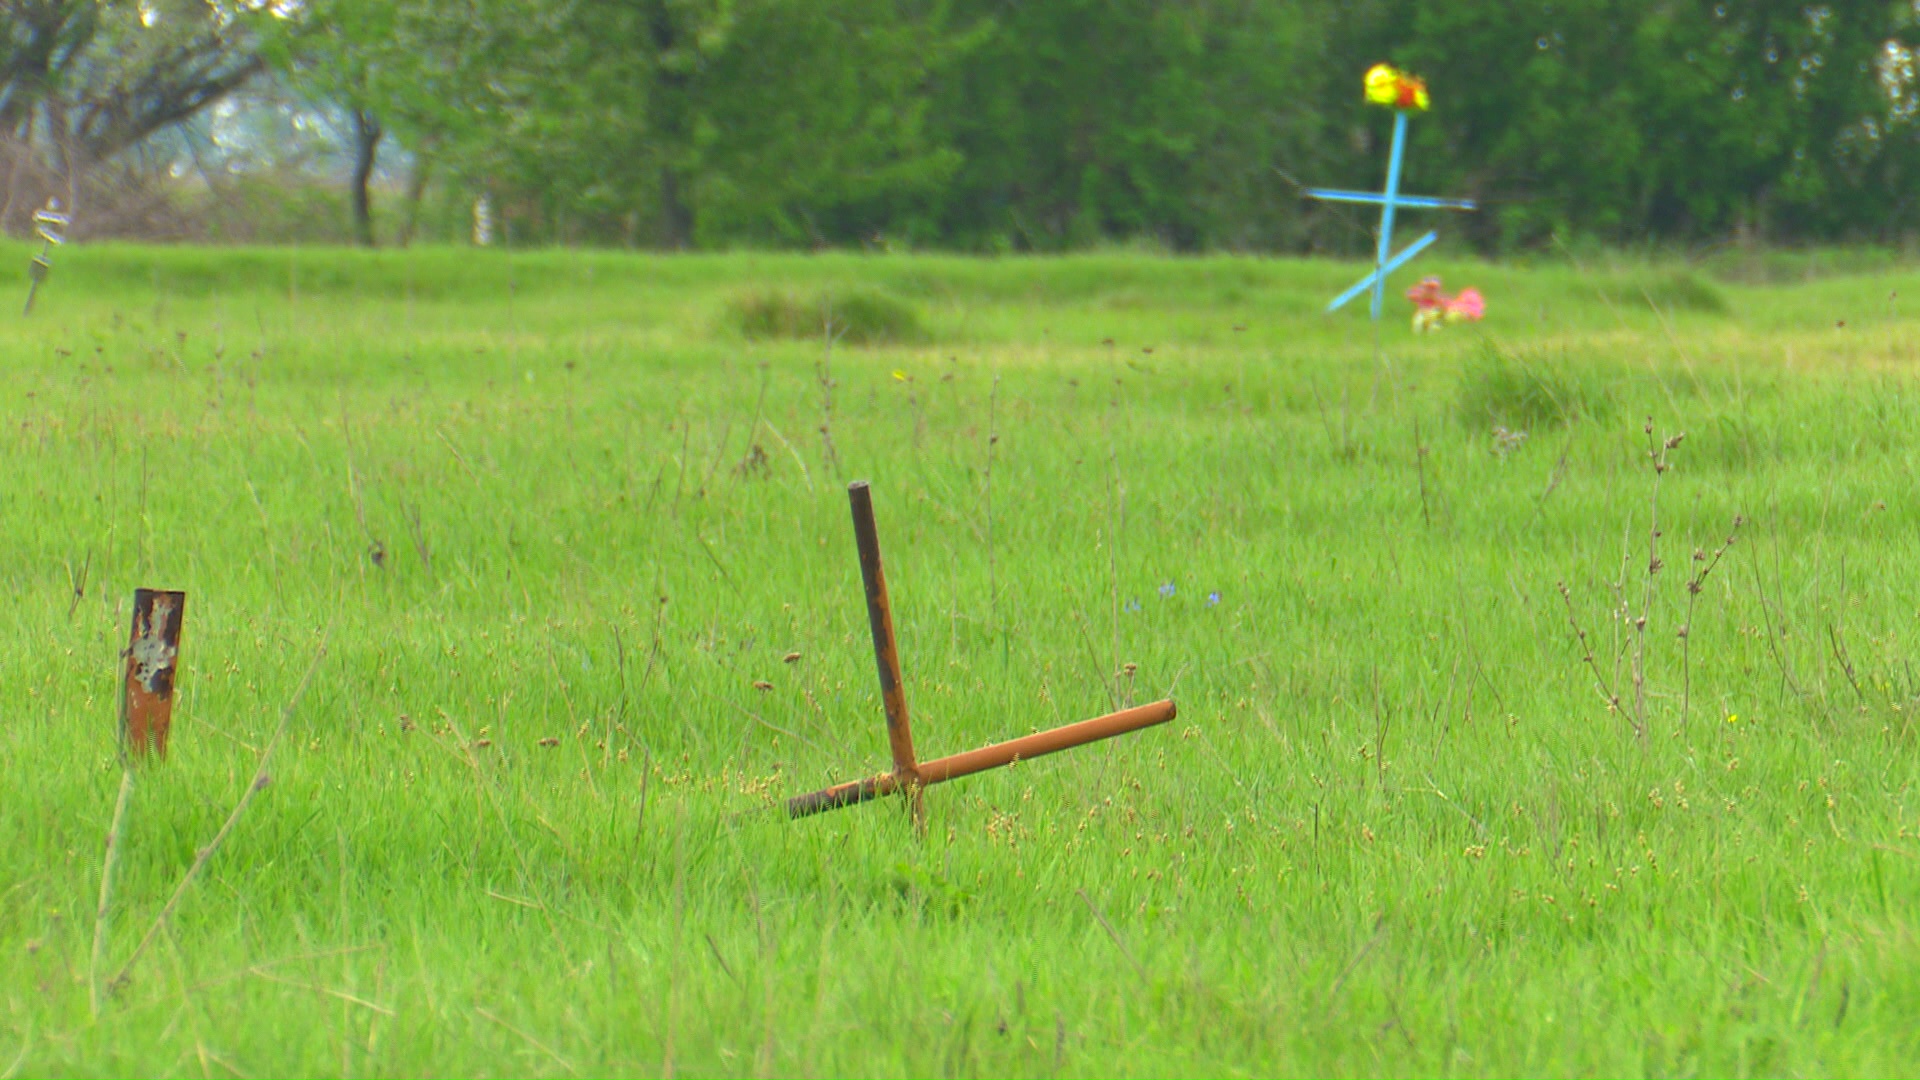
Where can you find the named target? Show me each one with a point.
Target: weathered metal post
(152, 657)
(886, 653)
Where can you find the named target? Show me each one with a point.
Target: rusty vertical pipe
(885, 653)
(153, 653)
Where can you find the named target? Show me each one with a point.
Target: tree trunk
(676, 220)
(367, 133)
(416, 190)
(669, 109)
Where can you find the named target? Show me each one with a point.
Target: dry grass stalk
(260, 780)
(116, 833)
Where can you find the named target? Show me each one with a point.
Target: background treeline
(971, 124)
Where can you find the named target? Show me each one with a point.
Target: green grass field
(578, 549)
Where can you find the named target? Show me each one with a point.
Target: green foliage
(1185, 125)
(1682, 120)
(1780, 266)
(852, 316)
(1080, 120)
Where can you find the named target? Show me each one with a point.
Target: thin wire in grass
(680, 480)
(26, 1046)
(1769, 608)
(260, 780)
(993, 586)
(805, 473)
(1112, 934)
(486, 796)
(1113, 571)
(528, 1039)
(116, 835)
(719, 454)
(1420, 467)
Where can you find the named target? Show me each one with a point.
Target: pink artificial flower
(1433, 308)
(1467, 307)
(1427, 294)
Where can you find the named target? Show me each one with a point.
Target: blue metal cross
(1385, 262)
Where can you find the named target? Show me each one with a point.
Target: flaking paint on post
(152, 658)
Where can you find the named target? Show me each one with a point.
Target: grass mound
(1685, 291)
(850, 316)
(1529, 390)
(1673, 291)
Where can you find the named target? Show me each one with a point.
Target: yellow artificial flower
(1392, 88)
(1383, 84)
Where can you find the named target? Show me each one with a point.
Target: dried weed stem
(260, 780)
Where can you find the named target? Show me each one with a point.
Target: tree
(1629, 120)
(415, 70)
(719, 120)
(83, 80)
(1081, 119)
(812, 126)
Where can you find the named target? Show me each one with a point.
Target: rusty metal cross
(910, 777)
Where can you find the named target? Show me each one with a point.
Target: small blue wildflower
(1213, 598)
(1167, 589)
(1133, 605)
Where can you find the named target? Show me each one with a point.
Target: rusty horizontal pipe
(1045, 742)
(956, 766)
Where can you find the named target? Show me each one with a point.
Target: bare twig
(1707, 563)
(1837, 637)
(419, 538)
(1553, 480)
(1767, 612)
(1657, 451)
(1837, 640)
(829, 333)
(1586, 651)
(78, 583)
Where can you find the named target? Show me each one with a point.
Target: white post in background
(482, 221)
(51, 224)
